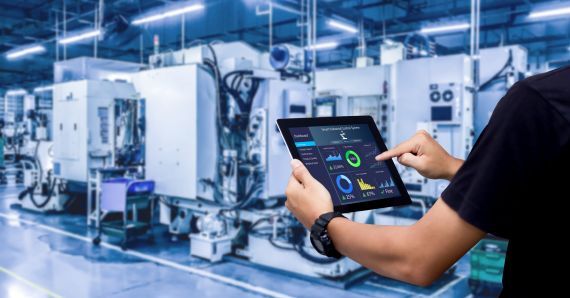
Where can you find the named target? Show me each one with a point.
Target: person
(510, 185)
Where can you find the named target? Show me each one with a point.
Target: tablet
(340, 153)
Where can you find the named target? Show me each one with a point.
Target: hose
(298, 246)
(314, 259)
(30, 191)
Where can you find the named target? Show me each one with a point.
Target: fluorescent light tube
(324, 46)
(342, 26)
(549, 13)
(26, 51)
(16, 92)
(43, 89)
(168, 14)
(438, 29)
(79, 37)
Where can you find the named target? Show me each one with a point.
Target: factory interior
(140, 156)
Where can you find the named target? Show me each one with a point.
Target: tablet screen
(341, 157)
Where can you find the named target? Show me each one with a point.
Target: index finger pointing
(405, 147)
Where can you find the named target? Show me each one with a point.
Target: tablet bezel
(404, 199)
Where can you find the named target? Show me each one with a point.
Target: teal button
(306, 144)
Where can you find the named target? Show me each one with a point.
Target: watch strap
(319, 229)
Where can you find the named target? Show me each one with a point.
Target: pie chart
(352, 158)
(344, 184)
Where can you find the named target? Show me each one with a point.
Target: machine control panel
(445, 102)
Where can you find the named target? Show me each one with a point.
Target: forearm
(416, 254)
(454, 166)
(386, 250)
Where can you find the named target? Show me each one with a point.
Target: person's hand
(424, 154)
(307, 198)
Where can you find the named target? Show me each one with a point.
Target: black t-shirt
(515, 183)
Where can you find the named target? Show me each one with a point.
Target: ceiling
(503, 22)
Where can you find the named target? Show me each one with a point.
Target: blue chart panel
(344, 184)
(387, 183)
(337, 157)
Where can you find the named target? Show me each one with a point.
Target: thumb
(300, 172)
(410, 160)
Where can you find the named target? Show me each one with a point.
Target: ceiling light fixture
(549, 13)
(25, 51)
(324, 46)
(168, 14)
(43, 89)
(447, 28)
(342, 26)
(79, 37)
(16, 92)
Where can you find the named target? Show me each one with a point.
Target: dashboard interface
(341, 157)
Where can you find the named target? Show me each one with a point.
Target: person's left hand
(307, 198)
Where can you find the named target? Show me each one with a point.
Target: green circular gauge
(356, 162)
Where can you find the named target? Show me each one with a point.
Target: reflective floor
(51, 255)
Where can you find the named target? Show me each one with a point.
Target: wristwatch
(320, 236)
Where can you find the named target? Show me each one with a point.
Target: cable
(30, 191)
(314, 259)
(498, 74)
(211, 48)
(298, 240)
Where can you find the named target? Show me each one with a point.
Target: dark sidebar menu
(310, 156)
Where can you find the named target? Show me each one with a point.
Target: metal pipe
(99, 16)
(362, 39)
(64, 29)
(270, 24)
(96, 26)
(474, 44)
(56, 36)
(182, 31)
(314, 51)
(141, 48)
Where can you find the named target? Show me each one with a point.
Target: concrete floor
(51, 255)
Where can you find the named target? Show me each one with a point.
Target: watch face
(317, 244)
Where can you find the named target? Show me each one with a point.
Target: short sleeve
(523, 134)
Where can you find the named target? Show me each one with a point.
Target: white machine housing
(181, 148)
(493, 60)
(275, 99)
(357, 92)
(83, 126)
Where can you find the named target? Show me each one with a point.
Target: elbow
(421, 280)
(418, 274)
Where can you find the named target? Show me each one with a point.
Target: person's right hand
(424, 154)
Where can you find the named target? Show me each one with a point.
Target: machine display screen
(441, 113)
(341, 157)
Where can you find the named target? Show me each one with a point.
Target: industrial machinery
(440, 103)
(98, 123)
(37, 153)
(12, 133)
(25, 135)
(434, 94)
(12, 122)
(218, 160)
(365, 91)
(447, 108)
(500, 69)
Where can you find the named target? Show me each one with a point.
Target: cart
(127, 197)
